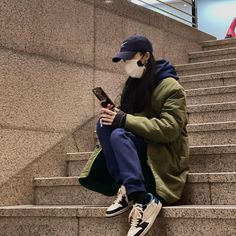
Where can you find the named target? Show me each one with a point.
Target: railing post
(194, 14)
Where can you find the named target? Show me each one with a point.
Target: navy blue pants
(123, 150)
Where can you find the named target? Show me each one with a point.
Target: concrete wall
(52, 53)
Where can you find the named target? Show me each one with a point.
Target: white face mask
(133, 70)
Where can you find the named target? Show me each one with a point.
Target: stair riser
(74, 168)
(117, 226)
(198, 164)
(70, 195)
(195, 71)
(195, 193)
(212, 58)
(212, 116)
(214, 137)
(43, 226)
(210, 137)
(212, 163)
(212, 98)
(209, 81)
(204, 84)
(162, 226)
(213, 47)
(196, 227)
(209, 194)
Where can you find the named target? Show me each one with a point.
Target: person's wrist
(119, 120)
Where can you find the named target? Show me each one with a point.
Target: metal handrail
(187, 2)
(164, 3)
(193, 16)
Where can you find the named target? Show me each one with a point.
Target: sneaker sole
(119, 212)
(159, 206)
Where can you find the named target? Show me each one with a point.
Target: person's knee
(117, 135)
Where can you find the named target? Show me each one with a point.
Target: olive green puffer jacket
(168, 147)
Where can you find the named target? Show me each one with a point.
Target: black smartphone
(102, 96)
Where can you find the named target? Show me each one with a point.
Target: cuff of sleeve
(119, 121)
(122, 119)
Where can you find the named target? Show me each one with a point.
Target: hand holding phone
(103, 98)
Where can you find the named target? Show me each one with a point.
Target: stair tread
(205, 64)
(212, 52)
(212, 107)
(181, 211)
(207, 76)
(206, 127)
(220, 177)
(212, 90)
(194, 150)
(213, 149)
(218, 42)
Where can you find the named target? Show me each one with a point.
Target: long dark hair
(137, 93)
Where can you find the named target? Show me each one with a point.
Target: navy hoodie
(165, 70)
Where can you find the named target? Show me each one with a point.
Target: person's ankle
(141, 197)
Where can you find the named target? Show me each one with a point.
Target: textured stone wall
(52, 53)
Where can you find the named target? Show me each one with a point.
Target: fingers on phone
(110, 106)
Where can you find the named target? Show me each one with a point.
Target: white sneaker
(142, 217)
(120, 205)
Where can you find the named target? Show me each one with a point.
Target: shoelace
(118, 196)
(135, 215)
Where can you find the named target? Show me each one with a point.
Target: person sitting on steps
(143, 153)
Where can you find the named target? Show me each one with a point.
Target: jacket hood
(165, 70)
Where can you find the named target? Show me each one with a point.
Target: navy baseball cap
(130, 46)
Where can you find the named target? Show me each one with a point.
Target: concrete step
(216, 112)
(215, 158)
(218, 44)
(216, 79)
(75, 162)
(90, 220)
(201, 188)
(210, 189)
(212, 55)
(206, 67)
(30, 220)
(211, 95)
(218, 133)
(214, 133)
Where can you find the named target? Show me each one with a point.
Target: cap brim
(123, 56)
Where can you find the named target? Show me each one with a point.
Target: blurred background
(210, 16)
